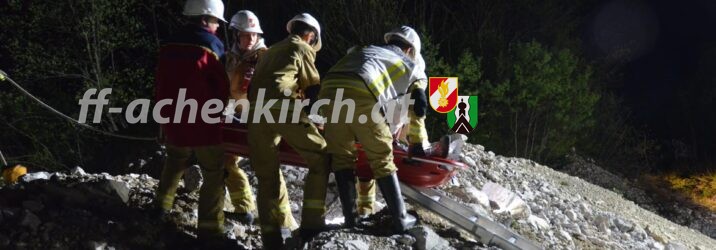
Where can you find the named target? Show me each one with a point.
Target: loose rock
(193, 178)
(427, 239)
(30, 221)
(504, 200)
(675, 246)
(78, 171)
(35, 176)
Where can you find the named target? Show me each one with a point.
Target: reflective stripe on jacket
(385, 72)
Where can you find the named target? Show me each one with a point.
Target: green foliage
(537, 100)
(59, 50)
(542, 105)
(539, 107)
(614, 142)
(699, 188)
(469, 71)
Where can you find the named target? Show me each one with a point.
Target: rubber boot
(390, 188)
(346, 181)
(244, 218)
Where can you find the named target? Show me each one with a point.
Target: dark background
(628, 83)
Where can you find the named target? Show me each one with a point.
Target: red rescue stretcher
(414, 171)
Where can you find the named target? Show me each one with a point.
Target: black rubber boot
(244, 218)
(346, 181)
(390, 188)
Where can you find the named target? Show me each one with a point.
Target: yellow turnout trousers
(366, 196)
(303, 137)
(375, 137)
(211, 194)
(237, 182)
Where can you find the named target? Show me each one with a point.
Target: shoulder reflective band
(382, 81)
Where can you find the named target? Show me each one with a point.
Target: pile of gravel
(566, 212)
(670, 206)
(99, 211)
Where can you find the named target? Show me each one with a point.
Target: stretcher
(417, 176)
(426, 172)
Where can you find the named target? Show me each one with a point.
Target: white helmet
(311, 21)
(213, 8)
(406, 34)
(246, 21)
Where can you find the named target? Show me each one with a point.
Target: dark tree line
(542, 93)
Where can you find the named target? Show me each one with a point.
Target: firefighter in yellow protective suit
(241, 62)
(414, 134)
(372, 77)
(287, 71)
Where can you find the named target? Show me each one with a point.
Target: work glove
(317, 121)
(421, 102)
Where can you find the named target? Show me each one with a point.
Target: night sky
(662, 45)
(684, 30)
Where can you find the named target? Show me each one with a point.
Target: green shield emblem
(463, 119)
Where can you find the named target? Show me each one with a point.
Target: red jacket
(191, 60)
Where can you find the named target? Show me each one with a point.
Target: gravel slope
(603, 218)
(558, 211)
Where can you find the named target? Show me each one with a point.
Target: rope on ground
(4, 76)
(4, 162)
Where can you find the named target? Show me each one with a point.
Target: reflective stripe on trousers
(366, 196)
(211, 194)
(237, 182)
